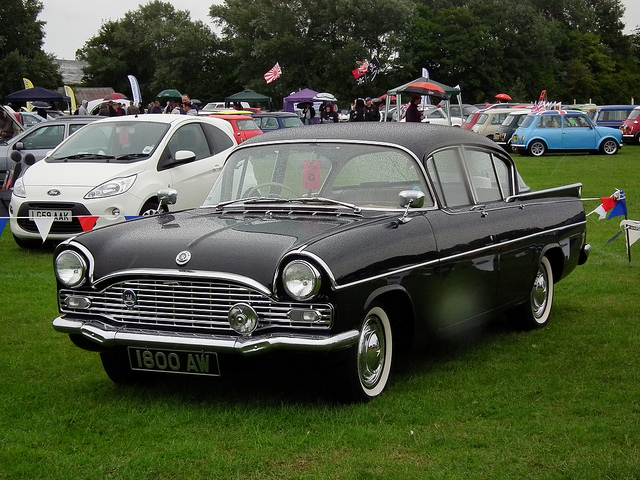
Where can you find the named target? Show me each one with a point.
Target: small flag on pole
(274, 73)
(616, 204)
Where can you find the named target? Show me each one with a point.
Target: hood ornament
(183, 257)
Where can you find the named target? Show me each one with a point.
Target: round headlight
(301, 280)
(71, 268)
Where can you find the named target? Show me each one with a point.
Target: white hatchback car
(114, 169)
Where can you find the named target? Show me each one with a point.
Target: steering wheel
(256, 190)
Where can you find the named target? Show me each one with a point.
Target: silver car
(41, 139)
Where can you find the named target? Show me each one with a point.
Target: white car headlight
(18, 188)
(71, 268)
(113, 187)
(301, 280)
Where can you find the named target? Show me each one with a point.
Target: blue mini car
(564, 130)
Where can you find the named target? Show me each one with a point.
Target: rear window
(613, 115)
(245, 125)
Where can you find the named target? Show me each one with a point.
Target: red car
(631, 127)
(472, 119)
(244, 126)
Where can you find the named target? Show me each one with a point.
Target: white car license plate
(57, 215)
(174, 361)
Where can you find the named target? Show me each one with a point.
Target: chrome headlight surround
(70, 268)
(301, 280)
(115, 186)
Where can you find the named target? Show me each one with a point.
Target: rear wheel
(609, 147)
(536, 312)
(369, 363)
(537, 148)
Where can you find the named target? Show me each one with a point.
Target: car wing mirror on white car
(184, 156)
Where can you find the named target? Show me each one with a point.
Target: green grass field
(559, 403)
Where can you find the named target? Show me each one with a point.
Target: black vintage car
(351, 241)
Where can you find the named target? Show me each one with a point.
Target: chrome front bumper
(107, 336)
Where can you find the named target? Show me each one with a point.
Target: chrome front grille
(187, 304)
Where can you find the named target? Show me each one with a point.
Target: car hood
(77, 174)
(251, 246)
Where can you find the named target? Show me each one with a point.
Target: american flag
(273, 74)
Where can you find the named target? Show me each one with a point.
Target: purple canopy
(305, 95)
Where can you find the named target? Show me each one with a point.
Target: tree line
(576, 50)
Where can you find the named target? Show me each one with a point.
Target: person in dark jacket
(413, 114)
(357, 111)
(371, 112)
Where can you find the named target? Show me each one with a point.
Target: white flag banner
(633, 230)
(135, 90)
(44, 226)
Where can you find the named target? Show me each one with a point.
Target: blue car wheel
(537, 148)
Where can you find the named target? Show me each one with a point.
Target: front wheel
(609, 147)
(536, 312)
(369, 364)
(151, 207)
(537, 148)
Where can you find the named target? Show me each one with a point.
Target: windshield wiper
(130, 156)
(252, 200)
(85, 156)
(330, 201)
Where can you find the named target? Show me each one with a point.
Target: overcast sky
(70, 23)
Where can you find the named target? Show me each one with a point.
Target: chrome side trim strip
(446, 259)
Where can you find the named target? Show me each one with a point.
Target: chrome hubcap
(609, 147)
(540, 293)
(537, 149)
(371, 352)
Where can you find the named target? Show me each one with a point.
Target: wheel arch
(399, 307)
(556, 258)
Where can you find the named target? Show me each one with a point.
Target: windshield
(368, 176)
(124, 141)
(527, 121)
(635, 113)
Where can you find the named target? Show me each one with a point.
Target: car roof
(558, 112)
(233, 117)
(170, 119)
(420, 138)
(275, 114)
(71, 118)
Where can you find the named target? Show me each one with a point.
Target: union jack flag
(274, 73)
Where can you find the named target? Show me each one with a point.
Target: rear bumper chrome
(106, 336)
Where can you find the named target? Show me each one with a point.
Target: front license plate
(174, 361)
(57, 215)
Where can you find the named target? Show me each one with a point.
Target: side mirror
(184, 156)
(167, 196)
(19, 146)
(29, 159)
(411, 198)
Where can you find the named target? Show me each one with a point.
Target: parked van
(613, 115)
